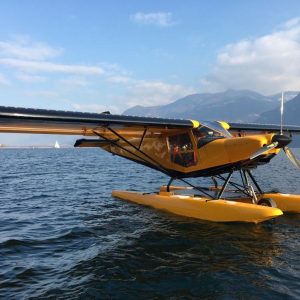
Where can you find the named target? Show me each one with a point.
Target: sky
(111, 55)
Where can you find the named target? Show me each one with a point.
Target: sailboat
(57, 146)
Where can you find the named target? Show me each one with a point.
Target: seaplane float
(225, 153)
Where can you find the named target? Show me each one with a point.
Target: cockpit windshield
(216, 126)
(208, 132)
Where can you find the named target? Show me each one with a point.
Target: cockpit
(182, 147)
(208, 132)
(182, 150)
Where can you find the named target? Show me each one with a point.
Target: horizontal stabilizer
(92, 143)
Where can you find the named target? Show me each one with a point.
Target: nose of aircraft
(282, 140)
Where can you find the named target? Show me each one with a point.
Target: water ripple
(63, 236)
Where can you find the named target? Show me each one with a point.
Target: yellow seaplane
(182, 149)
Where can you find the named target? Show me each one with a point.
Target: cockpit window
(181, 150)
(205, 134)
(216, 126)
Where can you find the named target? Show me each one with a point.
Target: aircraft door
(182, 150)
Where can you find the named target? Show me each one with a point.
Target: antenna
(281, 113)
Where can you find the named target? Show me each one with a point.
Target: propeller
(281, 113)
(291, 156)
(286, 149)
(279, 141)
(264, 149)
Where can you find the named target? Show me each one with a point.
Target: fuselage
(194, 152)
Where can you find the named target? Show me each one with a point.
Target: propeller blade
(264, 149)
(281, 112)
(292, 157)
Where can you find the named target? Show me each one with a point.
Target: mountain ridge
(291, 113)
(230, 105)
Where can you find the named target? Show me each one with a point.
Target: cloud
(75, 81)
(32, 62)
(27, 57)
(23, 48)
(267, 64)
(42, 94)
(95, 108)
(151, 93)
(50, 67)
(3, 80)
(30, 78)
(113, 69)
(291, 23)
(161, 19)
(119, 79)
(148, 92)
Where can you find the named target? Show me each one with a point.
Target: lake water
(62, 235)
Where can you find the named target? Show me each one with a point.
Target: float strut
(254, 181)
(214, 181)
(224, 185)
(169, 183)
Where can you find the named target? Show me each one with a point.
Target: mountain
(231, 105)
(291, 113)
(288, 95)
(291, 116)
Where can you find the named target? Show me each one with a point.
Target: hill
(291, 116)
(231, 105)
(291, 113)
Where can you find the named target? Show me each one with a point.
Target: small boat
(221, 210)
(57, 146)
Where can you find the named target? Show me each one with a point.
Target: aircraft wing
(27, 120)
(253, 127)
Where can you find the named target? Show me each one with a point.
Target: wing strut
(136, 148)
(156, 165)
(142, 138)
